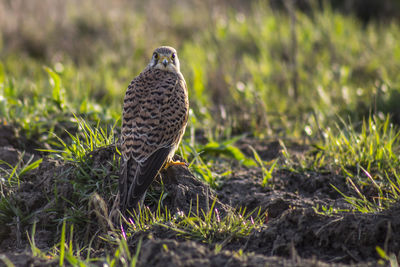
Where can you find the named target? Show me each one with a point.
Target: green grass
(11, 175)
(374, 146)
(366, 154)
(341, 70)
(203, 157)
(66, 253)
(200, 225)
(87, 139)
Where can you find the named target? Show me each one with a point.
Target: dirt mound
(249, 193)
(269, 150)
(294, 225)
(167, 252)
(10, 155)
(30, 203)
(343, 238)
(312, 184)
(294, 234)
(285, 190)
(183, 192)
(15, 146)
(9, 136)
(54, 187)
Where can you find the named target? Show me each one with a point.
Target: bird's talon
(172, 163)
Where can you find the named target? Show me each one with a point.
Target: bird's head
(165, 58)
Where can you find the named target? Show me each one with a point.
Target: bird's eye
(173, 56)
(155, 55)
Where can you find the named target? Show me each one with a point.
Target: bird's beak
(165, 62)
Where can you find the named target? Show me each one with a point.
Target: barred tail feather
(126, 179)
(136, 177)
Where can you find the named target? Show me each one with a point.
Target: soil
(293, 234)
(15, 147)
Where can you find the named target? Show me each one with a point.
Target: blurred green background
(265, 68)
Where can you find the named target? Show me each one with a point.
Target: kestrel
(155, 114)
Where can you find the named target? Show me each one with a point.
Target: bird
(154, 118)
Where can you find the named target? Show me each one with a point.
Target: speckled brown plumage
(155, 115)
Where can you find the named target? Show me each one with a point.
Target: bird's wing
(148, 133)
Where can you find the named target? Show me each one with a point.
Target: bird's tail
(126, 181)
(136, 177)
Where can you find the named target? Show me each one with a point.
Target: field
(292, 148)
